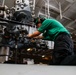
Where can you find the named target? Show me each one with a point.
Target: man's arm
(36, 33)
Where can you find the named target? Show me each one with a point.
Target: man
(54, 31)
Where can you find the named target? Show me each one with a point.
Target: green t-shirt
(51, 28)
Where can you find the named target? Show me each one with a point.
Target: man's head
(38, 21)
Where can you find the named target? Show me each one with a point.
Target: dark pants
(69, 60)
(63, 47)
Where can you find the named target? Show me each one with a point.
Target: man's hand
(39, 37)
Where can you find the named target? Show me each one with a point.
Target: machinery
(13, 36)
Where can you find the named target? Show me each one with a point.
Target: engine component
(2, 15)
(15, 37)
(2, 8)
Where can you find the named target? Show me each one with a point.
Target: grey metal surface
(8, 69)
